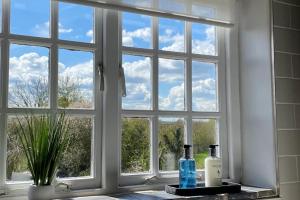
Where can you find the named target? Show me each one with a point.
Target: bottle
(213, 168)
(187, 169)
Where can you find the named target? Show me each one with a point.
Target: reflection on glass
(171, 35)
(75, 79)
(76, 160)
(204, 87)
(30, 17)
(137, 71)
(171, 84)
(28, 76)
(171, 141)
(204, 134)
(135, 145)
(203, 39)
(76, 22)
(136, 31)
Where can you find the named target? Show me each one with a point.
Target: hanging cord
(101, 74)
(122, 80)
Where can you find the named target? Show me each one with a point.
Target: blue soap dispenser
(187, 169)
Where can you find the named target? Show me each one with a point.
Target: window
(52, 59)
(174, 95)
(51, 67)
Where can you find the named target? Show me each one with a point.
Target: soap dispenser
(187, 169)
(213, 168)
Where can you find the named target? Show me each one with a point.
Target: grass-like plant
(43, 139)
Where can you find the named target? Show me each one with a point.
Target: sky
(31, 17)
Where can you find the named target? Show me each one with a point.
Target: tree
(34, 93)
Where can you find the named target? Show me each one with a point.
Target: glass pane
(203, 39)
(171, 141)
(135, 145)
(136, 31)
(76, 22)
(137, 71)
(171, 84)
(16, 162)
(171, 35)
(203, 11)
(204, 87)
(75, 79)
(173, 6)
(28, 76)
(76, 159)
(204, 134)
(30, 17)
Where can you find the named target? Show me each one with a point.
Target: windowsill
(247, 193)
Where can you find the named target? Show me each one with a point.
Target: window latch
(101, 74)
(122, 80)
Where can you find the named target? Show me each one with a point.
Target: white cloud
(27, 67)
(206, 46)
(81, 73)
(32, 66)
(129, 36)
(90, 34)
(138, 69)
(203, 96)
(44, 28)
(175, 42)
(62, 29)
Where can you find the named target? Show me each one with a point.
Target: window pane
(16, 163)
(204, 86)
(171, 35)
(204, 134)
(75, 79)
(171, 141)
(76, 22)
(30, 17)
(76, 159)
(171, 84)
(136, 31)
(137, 71)
(28, 76)
(203, 39)
(135, 145)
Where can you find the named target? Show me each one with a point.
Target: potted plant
(43, 139)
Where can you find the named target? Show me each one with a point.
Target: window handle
(122, 80)
(101, 74)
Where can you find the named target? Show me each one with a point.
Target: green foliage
(43, 140)
(199, 159)
(135, 145)
(171, 141)
(76, 159)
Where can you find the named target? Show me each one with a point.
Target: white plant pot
(41, 192)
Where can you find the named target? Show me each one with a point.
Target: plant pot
(41, 192)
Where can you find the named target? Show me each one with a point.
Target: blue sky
(137, 32)
(32, 18)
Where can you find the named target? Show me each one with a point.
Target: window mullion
(4, 90)
(155, 97)
(98, 123)
(188, 82)
(53, 71)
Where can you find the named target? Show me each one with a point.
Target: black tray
(227, 187)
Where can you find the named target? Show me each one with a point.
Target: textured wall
(286, 15)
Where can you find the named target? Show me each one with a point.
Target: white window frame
(53, 43)
(155, 176)
(108, 141)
